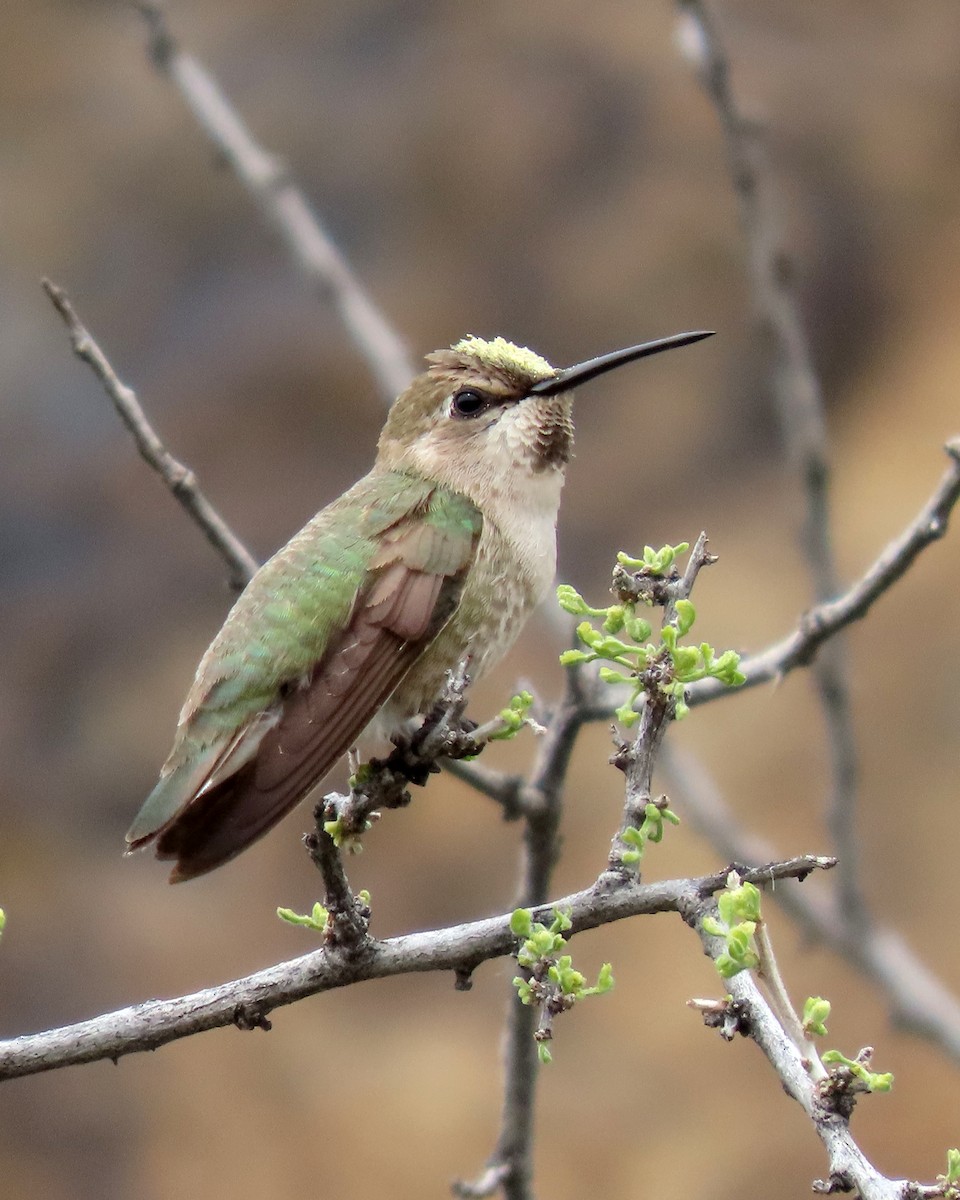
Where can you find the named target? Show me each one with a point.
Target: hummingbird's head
(472, 410)
(485, 411)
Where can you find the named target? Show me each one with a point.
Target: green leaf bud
(569, 657)
(521, 922)
(686, 660)
(609, 675)
(561, 921)
(588, 635)
(638, 629)
(816, 1012)
(626, 714)
(317, 919)
(686, 615)
(570, 600)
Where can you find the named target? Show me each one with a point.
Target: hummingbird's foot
(443, 732)
(416, 753)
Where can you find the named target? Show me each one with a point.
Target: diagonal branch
(178, 478)
(510, 1164)
(824, 620)
(799, 398)
(918, 1000)
(248, 1001)
(284, 207)
(850, 1170)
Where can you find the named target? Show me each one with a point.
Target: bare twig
(178, 478)
(800, 405)
(918, 1000)
(509, 791)
(698, 558)
(848, 1164)
(510, 1165)
(283, 205)
(825, 620)
(347, 918)
(460, 948)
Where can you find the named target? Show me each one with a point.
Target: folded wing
(241, 787)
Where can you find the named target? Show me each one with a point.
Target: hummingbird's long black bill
(569, 377)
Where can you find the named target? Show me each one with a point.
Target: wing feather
(410, 592)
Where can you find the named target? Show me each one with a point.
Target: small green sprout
(513, 717)
(951, 1178)
(3, 921)
(318, 916)
(623, 640)
(552, 983)
(654, 816)
(654, 562)
(342, 838)
(816, 1013)
(315, 919)
(870, 1081)
(739, 912)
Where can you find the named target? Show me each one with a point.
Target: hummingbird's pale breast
(512, 572)
(514, 474)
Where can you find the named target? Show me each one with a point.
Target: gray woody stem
(849, 1168)
(510, 1165)
(799, 398)
(284, 207)
(247, 1002)
(178, 478)
(918, 1000)
(824, 620)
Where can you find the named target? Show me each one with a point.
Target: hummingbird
(442, 551)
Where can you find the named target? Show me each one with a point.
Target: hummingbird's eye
(468, 402)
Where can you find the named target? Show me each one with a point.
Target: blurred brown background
(550, 172)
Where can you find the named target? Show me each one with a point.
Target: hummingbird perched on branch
(441, 552)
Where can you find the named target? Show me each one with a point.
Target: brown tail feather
(314, 731)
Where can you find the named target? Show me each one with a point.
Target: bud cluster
(550, 980)
(624, 639)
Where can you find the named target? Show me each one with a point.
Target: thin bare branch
(284, 207)
(178, 478)
(850, 1170)
(917, 999)
(248, 1001)
(540, 801)
(507, 790)
(799, 398)
(698, 558)
(824, 620)
(347, 917)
